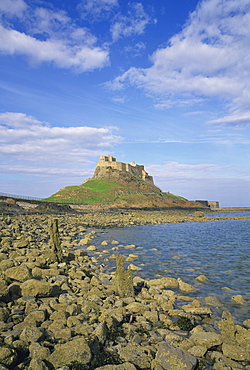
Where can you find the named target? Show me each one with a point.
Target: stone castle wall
(134, 169)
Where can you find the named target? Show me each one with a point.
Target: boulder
(101, 332)
(37, 364)
(246, 323)
(135, 354)
(75, 350)
(198, 311)
(137, 307)
(38, 352)
(238, 299)
(235, 352)
(31, 334)
(185, 287)
(3, 289)
(163, 282)
(124, 366)
(7, 356)
(201, 278)
(6, 264)
(171, 358)
(91, 248)
(206, 339)
(39, 288)
(19, 273)
(227, 328)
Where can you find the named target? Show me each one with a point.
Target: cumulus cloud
(50, 36)
(24, 138)
(96, 10)
(133, 23)
(208, 59)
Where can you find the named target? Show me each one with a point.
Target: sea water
(220, 250)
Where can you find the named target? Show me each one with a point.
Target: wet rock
(19, 273)
(134, 267)
(222, 362)
(37, 364)
(38, 288)
(3, 289)
(135, 354)
(137, 307)
(212, 301)
(75, 350)
(171, 358)
(243, 337)
(227, 328)
(22, 243)
(124, 366)
(185, 287)
(6, 264)
(31, 334)
(206, 339)
(8, 356)
(201, 278)
(238, 299)
(197, 351)
(246, 323)
(35, 317)
(101, 332)
(203, 311)
(91, 248)
(235, 352)
(38, 352)
(163, 283)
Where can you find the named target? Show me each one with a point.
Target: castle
(135, 169)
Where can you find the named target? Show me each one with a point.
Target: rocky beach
(61, 309)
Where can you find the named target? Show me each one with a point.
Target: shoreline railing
(19, 196)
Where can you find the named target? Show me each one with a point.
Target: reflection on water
(219, 250)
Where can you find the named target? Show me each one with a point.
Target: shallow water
(219, 250)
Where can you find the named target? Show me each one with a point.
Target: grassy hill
(118, 189)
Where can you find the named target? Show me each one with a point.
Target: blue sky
(164, 84)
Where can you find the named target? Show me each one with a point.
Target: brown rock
(75, 350)
(38, 288)
(19, 273)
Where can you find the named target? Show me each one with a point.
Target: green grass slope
(117, 189)
(91, 191)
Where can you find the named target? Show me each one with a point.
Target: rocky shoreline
(67, 313)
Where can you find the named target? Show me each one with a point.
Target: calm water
(218, 249)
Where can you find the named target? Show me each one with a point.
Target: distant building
(210, 204)
(135, 169)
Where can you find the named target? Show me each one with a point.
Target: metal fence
(19, 196)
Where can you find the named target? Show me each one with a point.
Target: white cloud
(97, 9)
(177, 170)
(236, 119)
(24, 138)
(14, 120)
(133, 23)
(13, 7)
(208, 59)
(41, 171)
(136, 49)
(52, 37)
